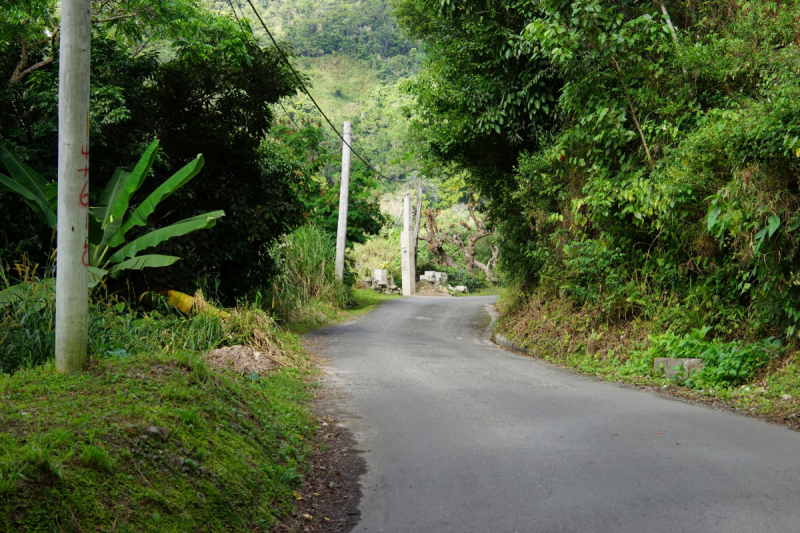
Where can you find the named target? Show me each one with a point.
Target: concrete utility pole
(72, 299)
(417, 214)
(407, 240)
(344, 192)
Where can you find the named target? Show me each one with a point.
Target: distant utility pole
(417, 218)
(407, 240)
(344, 190)
(72, 299)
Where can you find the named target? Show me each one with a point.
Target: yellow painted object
(190, 304)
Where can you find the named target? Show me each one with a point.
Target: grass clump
(157, 442)
(306, 288)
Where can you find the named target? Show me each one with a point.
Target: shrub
(726, 363)
(473, 281)
(306, 287)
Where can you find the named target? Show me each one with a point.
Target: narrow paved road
(460, 436)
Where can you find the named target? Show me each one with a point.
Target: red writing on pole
(85, 152)
(85, 171)
(84, 198)
(85, 256)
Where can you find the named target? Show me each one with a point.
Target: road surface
(461, 436)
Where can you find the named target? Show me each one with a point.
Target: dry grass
(555, 329)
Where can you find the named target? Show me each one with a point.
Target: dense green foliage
(360, 29)
(637, 171)
(173, 71)
(726, 363)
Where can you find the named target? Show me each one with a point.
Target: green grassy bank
(150, 443)
(151, 437)
(158, 440)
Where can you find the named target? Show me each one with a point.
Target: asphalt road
(461, 436)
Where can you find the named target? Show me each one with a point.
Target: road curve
(461, 436)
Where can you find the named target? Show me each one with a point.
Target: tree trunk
(436, 240)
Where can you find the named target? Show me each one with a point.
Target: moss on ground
(87, 452)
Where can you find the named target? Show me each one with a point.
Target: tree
(187, 76)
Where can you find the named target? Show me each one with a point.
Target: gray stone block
(675, 366)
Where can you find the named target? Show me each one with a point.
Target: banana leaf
(25, 175)
(139, 216)
(179, 300)
(130, 183)
(156, 237)
(143, 261)
(103, 214)
(190, 304)
(41, 207)
(96, 275)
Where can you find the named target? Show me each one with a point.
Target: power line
(305, 89)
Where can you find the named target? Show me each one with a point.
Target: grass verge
(153, 442)
(364, 301)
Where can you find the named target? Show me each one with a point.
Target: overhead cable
(305, 89)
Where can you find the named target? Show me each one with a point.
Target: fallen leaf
(297, 495)
(308, 516)
(658, 433)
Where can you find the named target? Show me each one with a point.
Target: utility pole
(72, 299)
(417, 215)
(407, 240)
(344, 191)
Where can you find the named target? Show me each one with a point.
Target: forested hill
(361, 28)
(355, 57)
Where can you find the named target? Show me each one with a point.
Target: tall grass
(27, 331)
(306, 288)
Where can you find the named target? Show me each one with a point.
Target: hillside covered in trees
(356, 59)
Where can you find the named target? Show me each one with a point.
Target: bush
(473, 281)
(306, 287)
(727, 364)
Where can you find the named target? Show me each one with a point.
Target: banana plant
(109, 253)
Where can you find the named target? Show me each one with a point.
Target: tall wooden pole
(72, 299)
(344, 191)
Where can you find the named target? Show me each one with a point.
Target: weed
(95, 457)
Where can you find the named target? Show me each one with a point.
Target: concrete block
(381, 276)
(675, 366)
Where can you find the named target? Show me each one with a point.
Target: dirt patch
(328, 501)
(241, 359)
